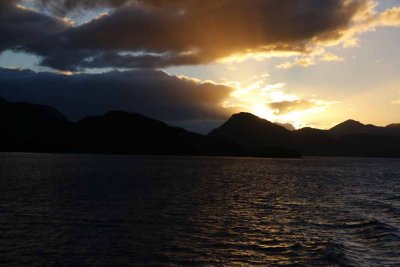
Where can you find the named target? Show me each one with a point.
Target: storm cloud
(21, 26)
(149, 92)
(161, 33)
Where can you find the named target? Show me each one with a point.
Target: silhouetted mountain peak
(117, 114)
(251, 131)
(351, 127)
(355, 127)
(309, 130)
(120, 121)
(132, 133)
(30, 126)
(350, 123)
(244, 119)
(393, 126)
(27, 113)
(245, 116)
(120, 113)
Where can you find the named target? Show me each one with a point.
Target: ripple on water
(166, 211)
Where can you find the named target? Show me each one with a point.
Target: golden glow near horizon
(352, 77)
(272, 102)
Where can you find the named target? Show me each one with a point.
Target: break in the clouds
(162, 33)
(150, 92)
(284, 107)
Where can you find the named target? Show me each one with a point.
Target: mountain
(252, 132)
(393, 126)
(30, 127)
(129, 133)
(356, 127)
(350, 138)
(393, 129)
(259, 136)
(313, 142)
(39, 128)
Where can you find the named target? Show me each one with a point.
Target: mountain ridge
(267, 133)
(356, 127)
(349, 138)
(39, 128)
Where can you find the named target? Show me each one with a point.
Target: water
(62, 210)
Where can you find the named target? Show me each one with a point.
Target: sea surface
(107, 210)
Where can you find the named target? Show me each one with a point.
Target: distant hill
(393, 126)
(393, 129)
(259, 136)
(252, 132)
(356, 127)
(31, 127)
(39, 128)
(313, 142)
(129, 133)
(350, 138)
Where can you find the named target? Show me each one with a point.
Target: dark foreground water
(62, 210)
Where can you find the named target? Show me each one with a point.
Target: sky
(194, 63)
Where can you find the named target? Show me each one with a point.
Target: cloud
(19, 26)
(368, 20)
(150, 92)
(64, 6)
(332, 57)
(390, 17)
(284, 107)
(302, 62)
(163, 33)
(274, 102)
(311, 59)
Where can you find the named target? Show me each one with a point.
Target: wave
(337, 253)
(376, 224)
(394, 198)
(361, 242)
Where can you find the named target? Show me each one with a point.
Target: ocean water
(91, 210)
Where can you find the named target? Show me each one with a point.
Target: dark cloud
(63, 6)
(187, 32)
(105, 60)
(6, 3)
(150, 92)
(284, 107)
(20, 26)
(68, 60)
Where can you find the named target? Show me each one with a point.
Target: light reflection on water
(159, 211)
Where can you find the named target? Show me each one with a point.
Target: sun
(255, 96)
(295, 118)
